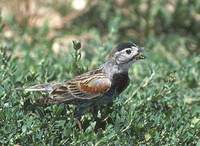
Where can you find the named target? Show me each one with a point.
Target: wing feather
(83, 88)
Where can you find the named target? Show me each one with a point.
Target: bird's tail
(40, 88)
(48, 99)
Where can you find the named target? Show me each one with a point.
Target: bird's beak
(140, 55)
(141, 49)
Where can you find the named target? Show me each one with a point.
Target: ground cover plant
(161, 106)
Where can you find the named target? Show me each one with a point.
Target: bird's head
(122, 57)
(126, 54)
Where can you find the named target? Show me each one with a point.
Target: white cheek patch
(135, 52)
(135, 48)
(118, 57)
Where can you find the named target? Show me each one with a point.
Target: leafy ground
(160, 107)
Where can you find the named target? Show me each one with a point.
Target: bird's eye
(128, 51)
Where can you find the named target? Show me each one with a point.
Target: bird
(96, 87)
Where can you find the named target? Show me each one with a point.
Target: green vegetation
(161, 106)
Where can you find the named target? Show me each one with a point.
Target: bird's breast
(119, 82)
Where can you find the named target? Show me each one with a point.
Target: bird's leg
(79, 124)
(105, 117)
(80, 110)
(94, 111)
(103, 120)
(78, 115)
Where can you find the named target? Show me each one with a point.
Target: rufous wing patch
(95, 86)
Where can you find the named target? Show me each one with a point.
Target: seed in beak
(140, 56)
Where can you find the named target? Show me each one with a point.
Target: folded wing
(81, 88)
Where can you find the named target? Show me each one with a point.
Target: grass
(159, 107)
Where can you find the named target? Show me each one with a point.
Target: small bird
(96, 87)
